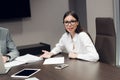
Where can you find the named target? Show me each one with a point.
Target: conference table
(77, 70)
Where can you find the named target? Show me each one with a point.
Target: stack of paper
(28, 58)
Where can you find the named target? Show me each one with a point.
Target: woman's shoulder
(65, 34)
(83, 33)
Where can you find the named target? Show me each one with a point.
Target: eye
(66, 21)
(73, 21)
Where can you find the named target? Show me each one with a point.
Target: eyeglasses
(72, 22)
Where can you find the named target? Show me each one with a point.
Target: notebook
(3, 69)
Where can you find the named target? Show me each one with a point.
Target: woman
(77, 42)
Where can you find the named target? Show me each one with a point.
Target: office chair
(106, 40)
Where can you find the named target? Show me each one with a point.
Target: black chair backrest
(106, 40)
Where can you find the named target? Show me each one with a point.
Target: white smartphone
(61, 66)
(25, 73)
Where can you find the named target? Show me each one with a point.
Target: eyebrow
(71, 20)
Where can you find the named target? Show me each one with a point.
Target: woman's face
(70, 24)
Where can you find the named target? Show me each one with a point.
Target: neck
(72, 35)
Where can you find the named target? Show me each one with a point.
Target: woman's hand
(46, 54)
(72, 55)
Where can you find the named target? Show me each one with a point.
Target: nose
(69, 24)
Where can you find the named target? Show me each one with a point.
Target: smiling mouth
(70, 28)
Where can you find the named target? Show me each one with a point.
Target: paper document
(28, 58)
(56, 60)
(13, 63)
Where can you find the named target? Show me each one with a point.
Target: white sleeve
(59, 46)
(89, 53)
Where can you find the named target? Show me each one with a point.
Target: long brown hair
(79, 28)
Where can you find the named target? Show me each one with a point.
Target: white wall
(45, 24)
(97, 8)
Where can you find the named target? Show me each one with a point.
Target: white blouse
(81, 44)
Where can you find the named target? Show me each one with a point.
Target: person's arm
(59, 46)
(11, 48)
(90, 53)
(57, 49)
(46, 54)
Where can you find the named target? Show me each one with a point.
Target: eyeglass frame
(72, 22)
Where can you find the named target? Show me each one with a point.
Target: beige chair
(106, 40)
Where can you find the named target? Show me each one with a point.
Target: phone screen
(25, 72)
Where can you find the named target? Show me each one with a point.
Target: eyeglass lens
(69, 22)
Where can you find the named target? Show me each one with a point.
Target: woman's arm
(89, 50)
